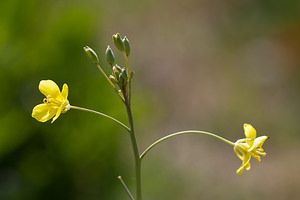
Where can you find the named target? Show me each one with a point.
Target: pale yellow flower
(55, 103)
(251, 146)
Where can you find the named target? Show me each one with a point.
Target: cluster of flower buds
(120, 75)
(121, 44)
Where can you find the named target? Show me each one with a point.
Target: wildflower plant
(56, 102)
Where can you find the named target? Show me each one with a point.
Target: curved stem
(181, 133)
(99, 113)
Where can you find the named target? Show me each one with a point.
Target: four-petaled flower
(55, 103)
(249, 146)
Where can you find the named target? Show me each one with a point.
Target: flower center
(52, 102)
(55, 102)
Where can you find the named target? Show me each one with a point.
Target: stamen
(257, 157)
(261, 153)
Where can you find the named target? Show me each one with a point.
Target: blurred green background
(200, 64)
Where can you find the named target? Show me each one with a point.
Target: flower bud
(109, 55)
(123, 78)
(126, 46)
(116, 69)
(118, 41)
(91, 54)
(113, 79)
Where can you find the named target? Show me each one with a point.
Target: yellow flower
(55, 103)
(249, 146)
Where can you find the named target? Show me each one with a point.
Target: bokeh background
(200, 64)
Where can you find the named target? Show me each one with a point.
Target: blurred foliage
(215, 64)
(44, 40)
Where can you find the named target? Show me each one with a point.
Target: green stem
(99, 113)
(181, 133)
(126, 188)
(129, 77)
(127, 64)
(112, 85)
(135, 151)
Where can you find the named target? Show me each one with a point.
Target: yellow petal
(258, 142)
(250, 132)
(49, 87)
(58, 112)
(43, 112)
(248, 166)
(65, 91)
(245, 164)
(239, 152)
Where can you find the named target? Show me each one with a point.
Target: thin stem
(129, 92)
(127, 64)
(112, 85)
(136, 155)
(135, 150)
(181, 133)
(127, 102)
(125, 187)
(99, 113)
(129, 77)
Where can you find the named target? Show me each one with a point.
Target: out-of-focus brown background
(206, 65)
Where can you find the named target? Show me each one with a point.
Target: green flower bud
(110, 57)
(123, 78)
(116, 70)
(126, 46)
(91, 54)
(118, 41)
(123, 74)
